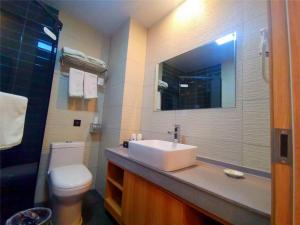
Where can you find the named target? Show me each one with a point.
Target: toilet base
(67, 211)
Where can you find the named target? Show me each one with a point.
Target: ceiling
(108, 15)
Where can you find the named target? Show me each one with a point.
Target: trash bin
(34, 216)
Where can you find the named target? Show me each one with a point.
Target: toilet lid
(71, 176)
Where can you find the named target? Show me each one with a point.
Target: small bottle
(139, 137)
(133, 137)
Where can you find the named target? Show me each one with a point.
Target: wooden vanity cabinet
(144, 203)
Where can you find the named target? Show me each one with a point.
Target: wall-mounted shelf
(77, 61)
(83, 64)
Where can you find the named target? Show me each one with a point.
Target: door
(285, 77)
(294, 27)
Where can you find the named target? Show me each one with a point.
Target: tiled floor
(93, 211)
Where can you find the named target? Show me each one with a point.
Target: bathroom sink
(163, 155)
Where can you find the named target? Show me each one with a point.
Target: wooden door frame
(285, 108)
(293, 10)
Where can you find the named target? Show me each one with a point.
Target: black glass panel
(27, 58)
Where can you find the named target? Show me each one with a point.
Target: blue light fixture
(226, 38)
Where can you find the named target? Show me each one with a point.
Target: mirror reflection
(201, 78)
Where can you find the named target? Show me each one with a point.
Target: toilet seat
(70, 180)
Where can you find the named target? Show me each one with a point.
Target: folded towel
(162, 84)
(96, 61)
(90, 86)
(75, 57)
(13, 111)
(73, 52)
(76, 82)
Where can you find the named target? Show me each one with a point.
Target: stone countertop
(239, 201)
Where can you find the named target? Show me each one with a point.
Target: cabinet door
(147, 204)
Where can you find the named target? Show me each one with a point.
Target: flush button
(77, 123)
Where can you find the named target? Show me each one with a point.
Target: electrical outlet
(76, 123)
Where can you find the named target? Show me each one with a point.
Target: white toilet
(69, 179)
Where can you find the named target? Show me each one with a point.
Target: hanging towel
(90, 86)
(76, 82)
(73, 52)
(158, 100)
(13, 111)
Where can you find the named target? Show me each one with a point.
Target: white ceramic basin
(163, 155)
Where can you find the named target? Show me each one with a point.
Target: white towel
(13, 111)
(90, 86)
(75, 57)
(163, 84)
(73, 52)
(100, 81)
(96, 61)
(76, 82)
(158, 100)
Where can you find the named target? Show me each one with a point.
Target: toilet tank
(66, 153)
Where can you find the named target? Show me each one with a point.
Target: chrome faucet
(176, 133)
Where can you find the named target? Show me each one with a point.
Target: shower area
(27, 61)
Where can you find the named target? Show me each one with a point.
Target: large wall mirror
(201, 78)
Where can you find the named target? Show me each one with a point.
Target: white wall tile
(148, 97)
(256, 122)
(257, 157)
(217, 149)
(133, 96)
(207, 123)
(221, 133)
(131, 118)
(157, 121)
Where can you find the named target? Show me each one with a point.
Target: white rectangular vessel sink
(163, 155)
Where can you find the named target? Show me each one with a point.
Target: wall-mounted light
(189, 9)
(226, 38)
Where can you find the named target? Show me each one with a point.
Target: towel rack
(84, 64)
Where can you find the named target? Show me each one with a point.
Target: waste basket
(33, 216)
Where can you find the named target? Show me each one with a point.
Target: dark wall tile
(27, 62)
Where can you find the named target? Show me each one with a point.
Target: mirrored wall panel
(201, 78)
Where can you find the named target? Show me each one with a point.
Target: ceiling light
(189, 9)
